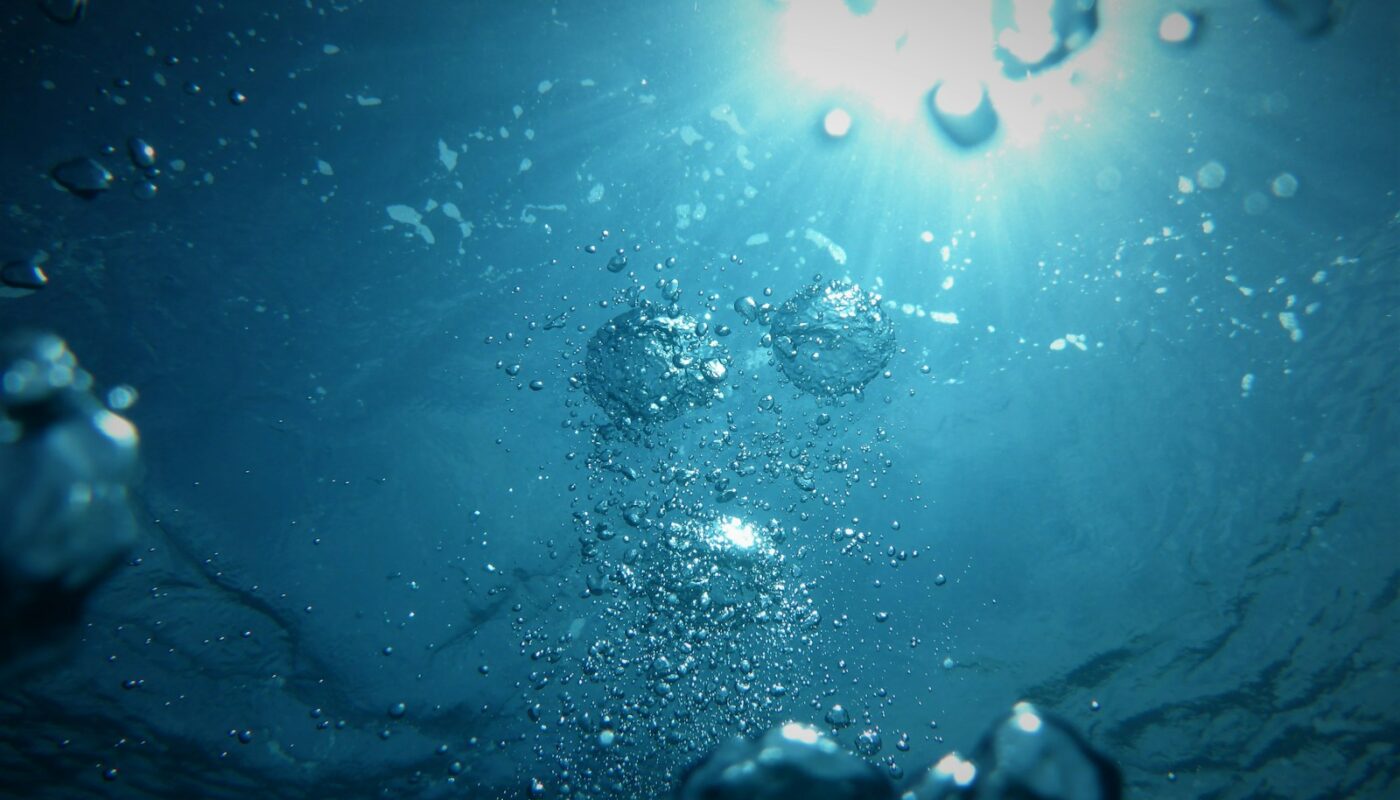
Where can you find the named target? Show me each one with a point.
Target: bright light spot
(894, 53)
(959, 98)
(1176, 28)
(121, 398)
(1285, 185)
(117, 428)
(737, 532)
(961, 770)
(964, 112)
(797, 732)
(837, 123)
(1211, 176)
(1028, 721)
(926, 237)
(1033, 36)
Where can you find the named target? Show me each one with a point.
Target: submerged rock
(651, 365)
(832, 338)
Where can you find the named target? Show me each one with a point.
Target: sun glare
(892, 55)
(978, 67)
(737, 532)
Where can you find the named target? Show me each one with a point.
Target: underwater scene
(700, 399)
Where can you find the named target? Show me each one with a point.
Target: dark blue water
(1134, 456)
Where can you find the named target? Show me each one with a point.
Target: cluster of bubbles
(700, 613)
(653, 363)
(66, 462)
(831, 338)
(692, 540)
(1026, 755)
(88, 178)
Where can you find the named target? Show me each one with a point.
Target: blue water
(1141, 418)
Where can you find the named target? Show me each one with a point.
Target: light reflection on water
(738, 532)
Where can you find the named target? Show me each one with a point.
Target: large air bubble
(1034, 35)
(651, 365)
(832, 338)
